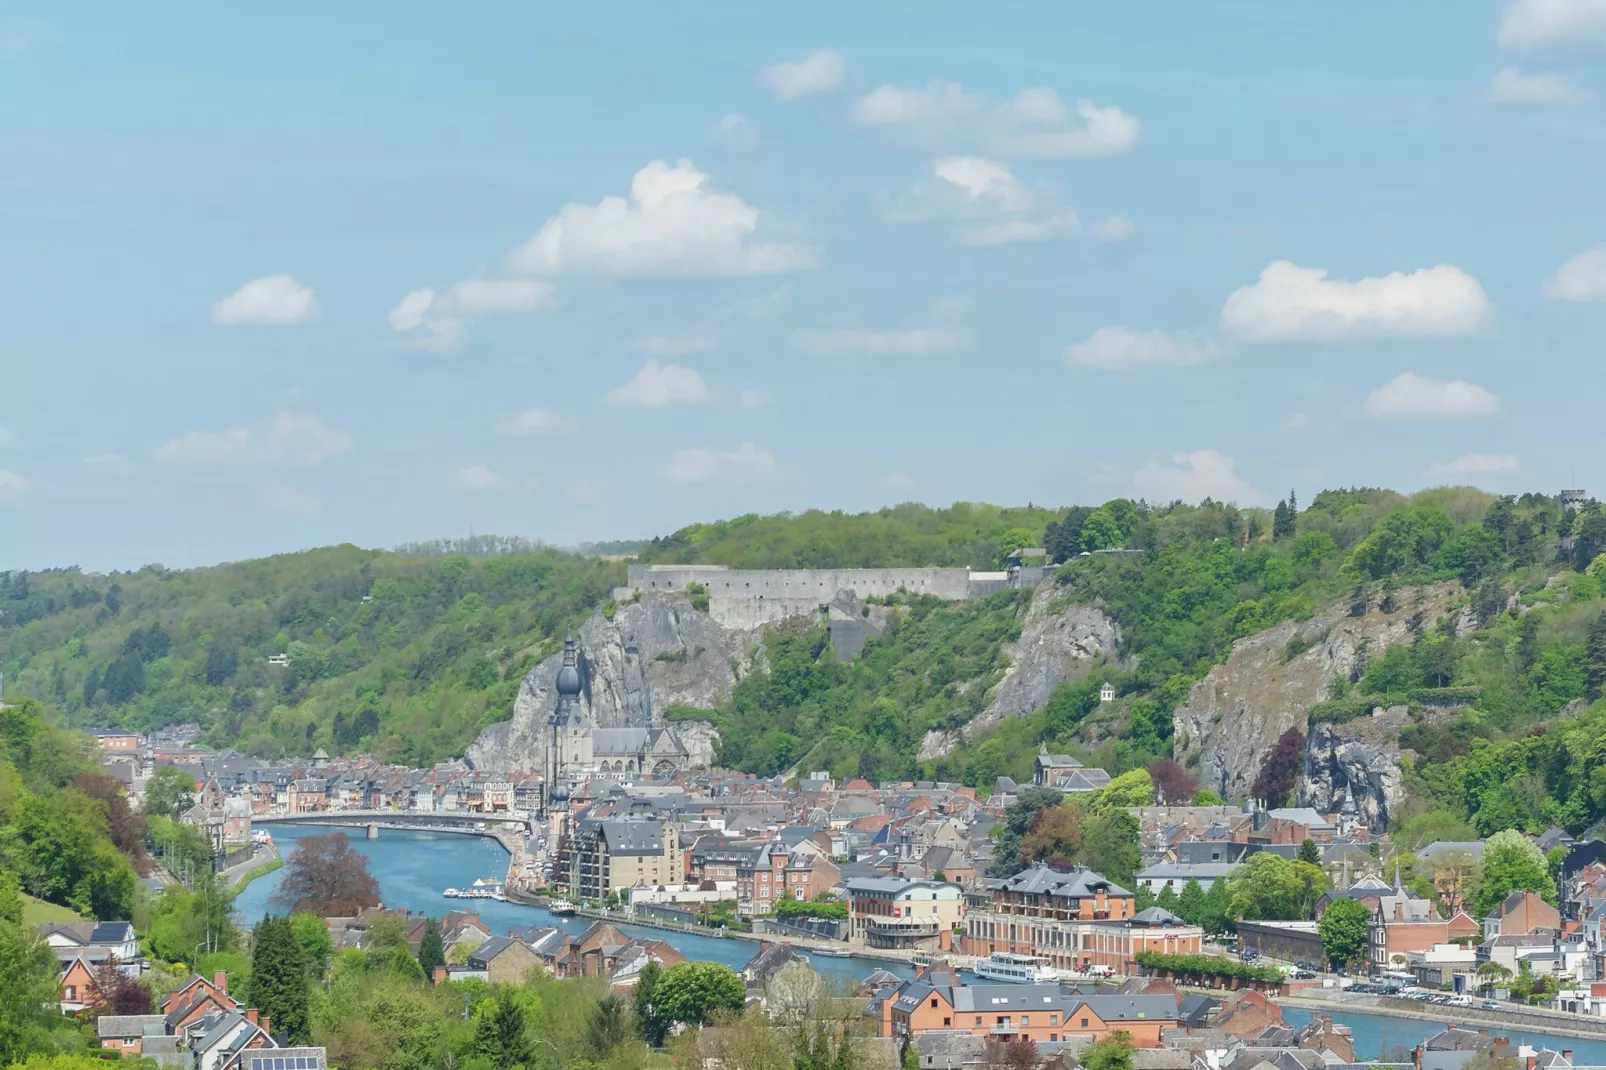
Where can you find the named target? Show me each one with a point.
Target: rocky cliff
(1360, 756)
(1234, 716)
(1059, 641)
(655, 652)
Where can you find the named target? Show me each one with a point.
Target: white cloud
(1017, 231)
(1193, 477)
(1035, 123)
(476, 477)
(409, 312)
(994, 206)
(11, 484)
(1529, 24)
(1583, 278)
(1290, 301)
(479, 296)
(658, 386)
(1511, 86)
(1476, 464)
(753, 399)
(700, 465)
(983, 180)
(735, 131)
(673, 345)
(1411, 396)
(532, 422)
(1117, 348)
(673, 223)
(911, 342)
(289, 438)
(1295, 421)
(1114, 229)
(818, 72)
(273, 300)
(113, 459)
(898, 482)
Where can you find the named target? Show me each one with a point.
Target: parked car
(1304, 975)
(1490, 1005)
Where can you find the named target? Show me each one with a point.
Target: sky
(284, 275)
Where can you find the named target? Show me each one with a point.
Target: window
(1084, 1023)
(70, 994)
(946, 1022)
(978, 1019)
(933, 1002)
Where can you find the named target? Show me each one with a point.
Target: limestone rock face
(654, 653)
(1361, 756)
(1233, 717)
(1058, 642)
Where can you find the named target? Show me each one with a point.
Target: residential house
(890, 912)
(503, 958)
(1519, 914)
(1039, 1013)
(603, 855)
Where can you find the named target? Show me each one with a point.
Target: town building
(603, 855)
(891, 912)
(1042, 1013)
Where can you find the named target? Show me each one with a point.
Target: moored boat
(1014, 969)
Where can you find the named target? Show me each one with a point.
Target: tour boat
(452, 893)
(560, 906)
(1015, 969)
(833, 952)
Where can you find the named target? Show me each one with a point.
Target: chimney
(267, 1025)
(1567, 1053)
(251, 1015)
(220, 981)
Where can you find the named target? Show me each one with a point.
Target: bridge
(494, 824)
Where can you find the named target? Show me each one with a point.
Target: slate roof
(1040, 880)
(130, 1025)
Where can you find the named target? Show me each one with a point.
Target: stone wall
(750, 598)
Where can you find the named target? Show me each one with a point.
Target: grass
(37, 912)
(252, 874)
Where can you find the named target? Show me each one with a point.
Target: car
(1304, 975)
(1490, 1005)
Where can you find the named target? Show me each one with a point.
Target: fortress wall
(817, 586)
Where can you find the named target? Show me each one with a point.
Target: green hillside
(409, 654)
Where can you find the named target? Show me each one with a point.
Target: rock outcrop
(1361, 756)
(655, 652)
(1059, 641)
(1234, 716)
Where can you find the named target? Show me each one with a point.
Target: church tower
(569, 742)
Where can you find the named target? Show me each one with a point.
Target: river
(413, 868)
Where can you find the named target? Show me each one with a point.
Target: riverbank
(240, 877)
(1509, 1016)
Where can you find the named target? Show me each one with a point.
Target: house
(1176, 875)
(503, 958)
(603, 855)
(1519, 914)
(891, 912)
(1044, 1013)
(82, 949)
(127, 1033)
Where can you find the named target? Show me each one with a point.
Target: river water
(414, 868)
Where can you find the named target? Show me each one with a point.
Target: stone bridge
(484, 824)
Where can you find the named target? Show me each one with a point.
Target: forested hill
(406, 654)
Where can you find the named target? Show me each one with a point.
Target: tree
(279, 978)
(1113, 1053)
(1309, 852)
(126, 828)
(1512, 862)
(1100, 531)
(1110, 844)
(27, 993)
(609, 1027)
(1345, 930)
(1132, 788)
(431, 949)
(1272, 888)
(646, 990)
(222, 661)
(1283, 518)
(1190, 903)
(1281, 768)
(1174, 784)
(1019, 817)
(125, 678)
(1595, 658)
(1491, 975)
(328, 877)
(312, 933)
(692, 991)
(118, 993)
(65, 855)
(500, 1033)
(169, 792)
(1206, 797)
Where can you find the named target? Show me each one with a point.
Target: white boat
(452, 893)
(1014, 969)
(561, 906)
(833, 952)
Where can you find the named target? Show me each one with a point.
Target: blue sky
(275, 276)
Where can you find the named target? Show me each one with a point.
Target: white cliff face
(1234, 716)
(1360, 756)
(655, 653)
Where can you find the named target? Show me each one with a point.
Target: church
(577, 749)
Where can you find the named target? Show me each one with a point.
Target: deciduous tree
(1345, 930)
(328, 877)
